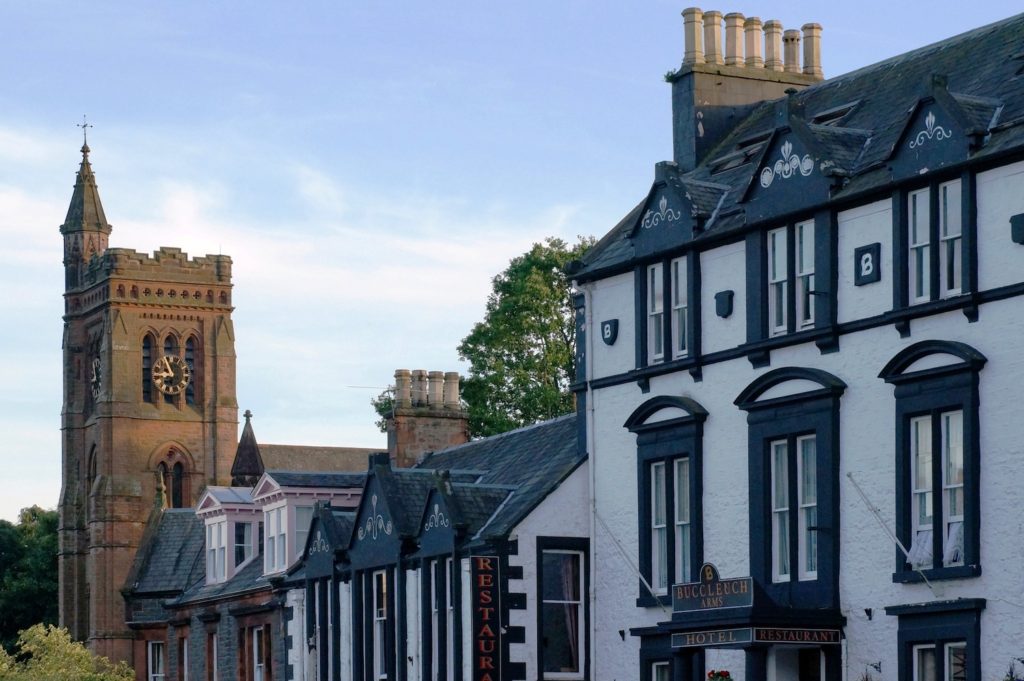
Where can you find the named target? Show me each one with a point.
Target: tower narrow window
(177, 484)
(147, 369)
(190, 361)
(170, 350)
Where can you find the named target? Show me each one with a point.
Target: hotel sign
(746, 635)
(486, 619)
(712, 592)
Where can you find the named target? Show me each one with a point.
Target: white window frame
(580, 624)
(680, 308)
(183, 671)
(213, 652)
(804, 274)
(655, 313)
(951, 242)
(919, 237)
(922, 493)
(779, 455)
(807, 502)
(379, 632)
(435, 623)
(681, 517)
(918, 672)
(948, 649)
(275, 539)
(303, 520)
(247, 544)
(450, 619)
(216, 551)
(659, 528)
(661, 671)
(778, 282)
(258, 668)
(156, 660)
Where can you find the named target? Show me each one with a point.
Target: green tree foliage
(28, 573)
(522, 355)
(383, 404)
(44, 652)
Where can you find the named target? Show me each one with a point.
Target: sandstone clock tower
(149, 415)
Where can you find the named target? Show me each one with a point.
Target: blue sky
(368, 165)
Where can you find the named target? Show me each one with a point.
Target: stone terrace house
(802, 363)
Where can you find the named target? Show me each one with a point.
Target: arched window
(190, 360)
(147, 369)
(170, 348)
(161, 471)
(176, 495)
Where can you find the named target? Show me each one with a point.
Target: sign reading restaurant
(732, 637)
(486, 619)
(712, 592)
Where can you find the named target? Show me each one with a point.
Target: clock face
(94, 379)
(171, 374)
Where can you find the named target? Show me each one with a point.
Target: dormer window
(244, 546)
(216, 552)
(276, 522)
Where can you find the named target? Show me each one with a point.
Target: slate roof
(981, 69)
(287, 478)
(531, 462)
(230, 495)
(170, 560)
(250, 578)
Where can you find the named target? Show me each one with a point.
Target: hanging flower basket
(719, 675)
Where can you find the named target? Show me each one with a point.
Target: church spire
(85, 229)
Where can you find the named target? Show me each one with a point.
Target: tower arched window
(176, 495)
(147, 369)
(161, 471)
(190, 360)
(170, 349)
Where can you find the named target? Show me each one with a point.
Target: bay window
(276, 523)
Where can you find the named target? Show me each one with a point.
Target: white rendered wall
(614, 300)
(295, 655)
(1000, 195)
(861, 226)
(867, 450)
(561, 514)
(413, 636)
(723, 269)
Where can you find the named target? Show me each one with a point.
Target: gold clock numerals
(171, 374)
(95, 379)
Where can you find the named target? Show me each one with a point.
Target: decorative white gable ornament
(651, 219)
(788, 166)
(930, 131)
(375, 523)
(436, 519)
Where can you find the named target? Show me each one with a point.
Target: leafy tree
(28, 572)
(46, 652)
(383, 404)
(522, 355)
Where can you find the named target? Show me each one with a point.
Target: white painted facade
(867, 416)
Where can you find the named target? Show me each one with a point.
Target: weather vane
(84, 125)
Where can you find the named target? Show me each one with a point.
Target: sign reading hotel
(712, 592)
(744, 635)
(486, 619)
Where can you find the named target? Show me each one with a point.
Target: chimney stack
(773, 45)
(733, 39)
(713, 37)
(752, 28)
(428, 415)
(812, 50)
(692, 33)
(714, 87)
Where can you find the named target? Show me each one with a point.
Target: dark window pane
(561, 637)
(561, 577)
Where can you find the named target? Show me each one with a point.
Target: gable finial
(247, 415)
(84, 125)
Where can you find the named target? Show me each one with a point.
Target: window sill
(936, 574)
(648, 601)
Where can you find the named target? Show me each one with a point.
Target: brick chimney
(427, 415)
(711, 93)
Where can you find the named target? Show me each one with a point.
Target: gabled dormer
(232, 525)
(375, 540)
(794, 171)
(441, 521)
(287, 500)
(668, 216)
(941, 129)
(329, 533)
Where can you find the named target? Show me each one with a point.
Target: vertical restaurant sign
(486, 619)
